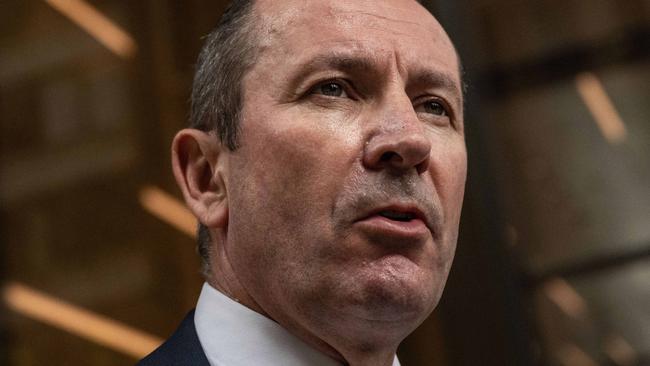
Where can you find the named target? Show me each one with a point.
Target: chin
(394, 289)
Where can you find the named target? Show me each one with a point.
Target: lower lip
(412, 229)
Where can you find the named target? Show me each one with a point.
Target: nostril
(422, 166)
(397, 154)
(387, 156)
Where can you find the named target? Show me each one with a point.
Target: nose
(399, 145)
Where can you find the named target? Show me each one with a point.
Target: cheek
(449, 172)
(297, 159)
(288, 172)
(280, 216)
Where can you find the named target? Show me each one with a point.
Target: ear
(199, 167)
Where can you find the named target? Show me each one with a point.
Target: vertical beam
(483, 306)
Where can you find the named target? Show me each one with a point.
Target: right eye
(433, 107)
(330, 88)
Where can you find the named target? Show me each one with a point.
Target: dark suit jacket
(181, 349)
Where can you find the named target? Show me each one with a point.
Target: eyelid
(432, 98)
(348, 86)
(449, 110)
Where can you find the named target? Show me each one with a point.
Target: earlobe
(199, 167)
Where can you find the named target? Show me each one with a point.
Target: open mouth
(397, 216)
(403, 222)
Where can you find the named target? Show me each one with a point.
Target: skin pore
(353, 109)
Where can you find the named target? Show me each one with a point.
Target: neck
(370, 348)
(344, 351)
(373, 350)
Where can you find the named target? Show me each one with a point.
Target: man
(327, 168)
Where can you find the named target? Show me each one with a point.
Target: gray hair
(228, 53)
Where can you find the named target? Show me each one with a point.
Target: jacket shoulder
(181, 349)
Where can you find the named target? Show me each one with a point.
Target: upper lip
(404, 208)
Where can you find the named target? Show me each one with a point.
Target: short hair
(228, 53)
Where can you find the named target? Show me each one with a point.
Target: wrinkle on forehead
(372, 20)
(287, 28)
(355, 12)
(278, 17)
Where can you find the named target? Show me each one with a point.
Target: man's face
(345, 194)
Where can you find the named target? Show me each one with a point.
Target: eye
(330, 89)
(433, 107)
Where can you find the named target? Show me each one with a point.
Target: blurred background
(97, 254)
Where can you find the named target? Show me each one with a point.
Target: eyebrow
(363, 64)
(441, 80)
(434, 78)
(367, 64)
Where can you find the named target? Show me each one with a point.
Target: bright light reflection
(80, 322)
(620, 351)
(168, 209)
(600, 106)
(565, 297)
(97, 25)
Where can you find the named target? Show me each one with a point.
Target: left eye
(433, 107)
(330, 89)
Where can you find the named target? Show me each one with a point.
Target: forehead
(293, 31)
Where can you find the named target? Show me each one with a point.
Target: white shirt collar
(233, 335)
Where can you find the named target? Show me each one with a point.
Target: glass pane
(601, 317)
(571, 194)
